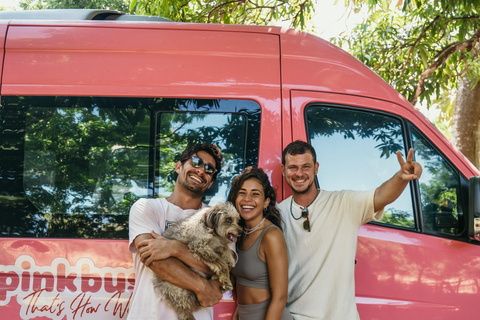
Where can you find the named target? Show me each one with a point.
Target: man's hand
(210, 294)
(391, 189)
(409, 170)
(158, 248)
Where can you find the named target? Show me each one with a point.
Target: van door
(417, 262)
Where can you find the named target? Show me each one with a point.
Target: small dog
(207, 234)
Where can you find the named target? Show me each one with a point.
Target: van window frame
(407, 132)
(463, 194)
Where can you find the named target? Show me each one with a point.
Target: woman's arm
(274, 249)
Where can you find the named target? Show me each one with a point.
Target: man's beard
(195, 190)
(304, 190)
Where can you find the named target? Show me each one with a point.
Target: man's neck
(185, 201)
(305, 199)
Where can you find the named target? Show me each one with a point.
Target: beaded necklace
(248, 231)
(291, 202)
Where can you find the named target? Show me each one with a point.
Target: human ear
(267, 202)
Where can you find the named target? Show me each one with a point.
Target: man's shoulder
(284, 205)
(150, 201)
(148, 204)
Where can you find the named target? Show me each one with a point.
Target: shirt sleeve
(362, 202)
(142, 219)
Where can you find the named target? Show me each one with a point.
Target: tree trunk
(466, 121)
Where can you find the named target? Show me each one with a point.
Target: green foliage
(398, 218)
(120, 5)
(420, 47)
(258, 12)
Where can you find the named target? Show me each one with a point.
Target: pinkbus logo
(64, 291)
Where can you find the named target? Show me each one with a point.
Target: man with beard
(321, 229)
(169, 259)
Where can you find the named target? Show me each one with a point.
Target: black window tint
(73, 166)
(439, 190)
(356, 150)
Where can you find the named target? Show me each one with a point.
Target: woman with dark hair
(261, 273)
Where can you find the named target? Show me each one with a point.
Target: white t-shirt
(147, 215)
(321, 263)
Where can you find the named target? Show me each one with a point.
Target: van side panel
(138, 62)
(3, 32)
(93, 277)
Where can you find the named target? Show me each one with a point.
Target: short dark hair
(271, 212)
(298, 147)
(211, 149)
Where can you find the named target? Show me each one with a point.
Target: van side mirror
(474, 208)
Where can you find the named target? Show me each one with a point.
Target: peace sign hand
(409, 170)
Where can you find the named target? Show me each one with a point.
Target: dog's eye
(228, 220)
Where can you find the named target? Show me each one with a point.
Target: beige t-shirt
(147, 215)
(322, 262)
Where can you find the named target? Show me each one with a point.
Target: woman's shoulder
(273, 235)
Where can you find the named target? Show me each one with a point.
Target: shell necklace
(248, 231)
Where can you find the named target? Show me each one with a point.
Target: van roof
(76, 14)
(308, 62)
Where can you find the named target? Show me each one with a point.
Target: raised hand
(409, 170)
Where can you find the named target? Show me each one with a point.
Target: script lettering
(82, 306)
(118, 308)
(55, 307)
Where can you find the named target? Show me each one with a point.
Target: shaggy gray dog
(207, 234)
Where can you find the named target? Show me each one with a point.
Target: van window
(72, 166)
(178, 130)
(439, 190)
(83, 165)
(356, 150)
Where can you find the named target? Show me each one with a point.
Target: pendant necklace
(248, 231)
(291, 203)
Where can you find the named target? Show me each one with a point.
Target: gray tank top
(251, 270)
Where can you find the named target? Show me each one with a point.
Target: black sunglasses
(306, 223)
(198, 163)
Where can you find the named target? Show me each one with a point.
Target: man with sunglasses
(171, 260)
(321, 229)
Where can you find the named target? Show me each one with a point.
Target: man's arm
(177, 273)
(391, 189)
(155, 247)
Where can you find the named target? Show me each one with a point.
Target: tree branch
(220, 6)
(417, 41)
(302, 5)
(467, 45)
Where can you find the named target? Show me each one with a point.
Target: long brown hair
(271, 212)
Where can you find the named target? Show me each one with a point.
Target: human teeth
(247, 207)
(195, 178)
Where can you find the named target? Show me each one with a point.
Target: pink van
(95, 106)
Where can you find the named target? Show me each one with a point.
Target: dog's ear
(211, 218)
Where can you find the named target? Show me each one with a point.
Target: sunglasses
(306, 223)
(198, 163)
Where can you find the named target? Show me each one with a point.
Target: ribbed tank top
(251, 270)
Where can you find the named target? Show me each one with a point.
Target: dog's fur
(207, 234)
